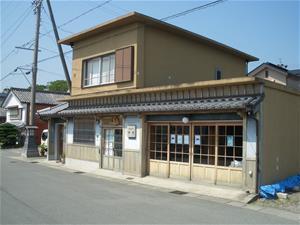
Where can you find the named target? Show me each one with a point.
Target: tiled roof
(42, 97)
(294, 72)
(52, 111)
(212, 104)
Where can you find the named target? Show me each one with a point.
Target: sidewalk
(221, 194)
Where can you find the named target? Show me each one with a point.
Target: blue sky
(268, 30)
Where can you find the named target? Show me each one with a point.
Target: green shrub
(9, 135)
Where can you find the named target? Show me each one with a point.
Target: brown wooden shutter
(124, 64)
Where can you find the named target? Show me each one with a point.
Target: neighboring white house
(277, 74)
(16, 111)
(17, 106)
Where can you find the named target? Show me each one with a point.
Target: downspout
(257, 123)
(257, 148)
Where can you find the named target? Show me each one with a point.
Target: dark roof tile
(42, 97)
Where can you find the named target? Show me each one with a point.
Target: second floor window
(15, 113)
(99, 70)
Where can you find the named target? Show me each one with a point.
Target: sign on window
(197, 140)
(186, 139)
(179, 139)
(229, 140)
(173, 139)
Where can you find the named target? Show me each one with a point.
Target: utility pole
(61, 55)
(30, 147)
(37, 11)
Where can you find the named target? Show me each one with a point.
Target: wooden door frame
(56, 153)
(103, 128)
(191, 125)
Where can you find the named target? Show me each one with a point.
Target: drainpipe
(251, 115)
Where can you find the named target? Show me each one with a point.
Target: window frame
(154, 151)
(266, 73)
(213, 144)
(235, 147)
(77, 140)
(218, 72)
(85, 68)
(113, 132)
(17, 116)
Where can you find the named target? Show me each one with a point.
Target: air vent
(34, 162)
(129, 178)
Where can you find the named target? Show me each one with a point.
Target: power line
(49, 50)
(84, 13)
(64, 24)
(14, 23)
(163, 19)
(14, 51)
(73, 19)
(17, 27)
(192, 10)
(47, 71)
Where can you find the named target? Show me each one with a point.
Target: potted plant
(43, 149)
(63, 158)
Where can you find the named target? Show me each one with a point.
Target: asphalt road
(35, 194)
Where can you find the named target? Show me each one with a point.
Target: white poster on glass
(229, 141)
(173, 139)
(179, 139)
(186, 139)
(197, 139)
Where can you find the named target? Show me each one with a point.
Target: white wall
(130, 143)
(98, 127)
(13, 101)
(251, 139)
(274, 76)
(69, 131)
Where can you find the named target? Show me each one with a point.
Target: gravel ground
(292, 203)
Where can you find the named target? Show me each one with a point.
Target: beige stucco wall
(274, 76)
(160, 58)
(99, 45)
(172, 59)
(280, 153)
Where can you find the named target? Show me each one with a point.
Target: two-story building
(17, 106)
(150, 98)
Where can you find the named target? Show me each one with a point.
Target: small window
(15, 113)
(84, 131)
(266, 74)
(99, 70)
(218, 74)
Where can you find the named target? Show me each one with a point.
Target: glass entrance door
(112, 149)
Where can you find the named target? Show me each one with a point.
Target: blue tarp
(269, 191)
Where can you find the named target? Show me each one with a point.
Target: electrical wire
(15, 22)
(16, 28)
(73, 19)
(192, 10)
(163, 19)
